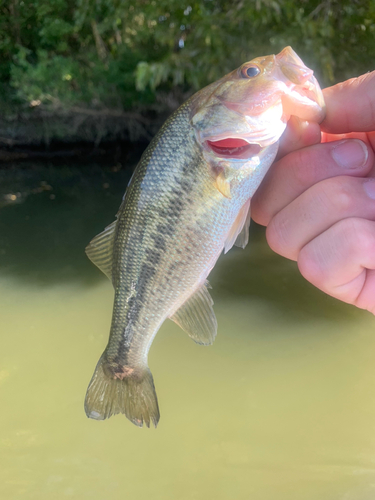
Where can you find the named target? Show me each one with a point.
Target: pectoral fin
(239, 232)
(197, 317)
(223, 185)
(100, 249)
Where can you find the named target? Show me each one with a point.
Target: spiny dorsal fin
(197, 317)
(100, 249)
(239, 232)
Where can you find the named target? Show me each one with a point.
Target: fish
(188, 201)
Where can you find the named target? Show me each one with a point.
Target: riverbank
(47, 133)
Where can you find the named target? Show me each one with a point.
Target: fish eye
(250, 71)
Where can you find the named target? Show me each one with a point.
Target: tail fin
(134, 395)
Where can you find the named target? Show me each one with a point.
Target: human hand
(318, 200)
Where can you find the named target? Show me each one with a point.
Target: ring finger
(317, 209)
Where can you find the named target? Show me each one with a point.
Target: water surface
(282, 406)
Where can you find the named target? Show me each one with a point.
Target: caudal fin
(133, 394)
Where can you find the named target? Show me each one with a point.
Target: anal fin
(197, 318)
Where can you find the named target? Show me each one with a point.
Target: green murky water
(282, 406)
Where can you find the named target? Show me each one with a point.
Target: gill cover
(254, 102)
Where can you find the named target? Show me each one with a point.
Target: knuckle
(361, 232)
(343, 250)
(356, 237)
(337, 195)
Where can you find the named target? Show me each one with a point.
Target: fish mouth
(233, 148)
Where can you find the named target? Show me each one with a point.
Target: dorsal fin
(197, 317)
(239, 232)
(100, 249)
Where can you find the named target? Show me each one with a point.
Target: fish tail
(130, 391)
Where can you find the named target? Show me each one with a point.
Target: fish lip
(303, 87)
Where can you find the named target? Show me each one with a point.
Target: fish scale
(185, 204)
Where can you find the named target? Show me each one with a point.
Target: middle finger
(295, 173)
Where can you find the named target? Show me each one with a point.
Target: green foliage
(118, 53)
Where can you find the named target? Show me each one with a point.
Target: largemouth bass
(188, 200)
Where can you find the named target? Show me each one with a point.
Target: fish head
(246, 111)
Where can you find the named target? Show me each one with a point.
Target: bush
(110, 53)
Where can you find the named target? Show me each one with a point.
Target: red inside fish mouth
(233, 148)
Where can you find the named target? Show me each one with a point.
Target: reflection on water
(55, 213)
(281, 406)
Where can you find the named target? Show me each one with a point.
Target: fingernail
(350, 153)
(369, 187)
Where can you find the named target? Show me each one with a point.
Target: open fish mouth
(233, 148)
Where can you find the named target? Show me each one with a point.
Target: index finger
(350, 106)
